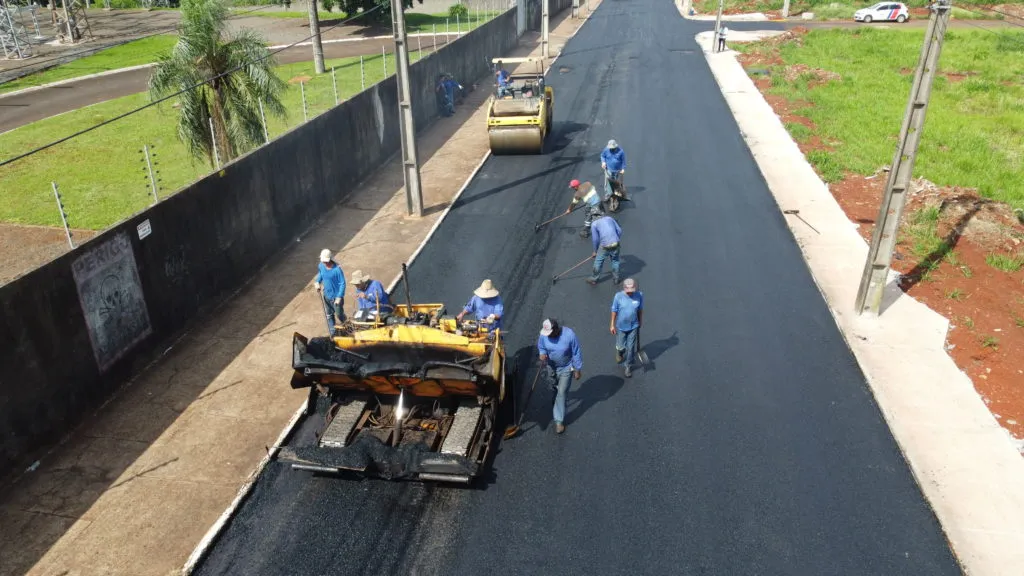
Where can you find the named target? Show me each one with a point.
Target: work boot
(559, 428)
(592, 280)
(619, 355)
(629, 372)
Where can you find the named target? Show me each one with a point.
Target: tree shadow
(931, 262)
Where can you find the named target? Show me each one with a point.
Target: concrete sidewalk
(964, 462)
(134, 489)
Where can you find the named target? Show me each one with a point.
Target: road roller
(410, 394)
(519, 118)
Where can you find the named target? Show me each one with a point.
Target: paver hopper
(519, 118)
(410, 395)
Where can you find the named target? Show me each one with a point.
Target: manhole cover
(564, 69)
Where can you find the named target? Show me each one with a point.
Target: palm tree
(244, 78)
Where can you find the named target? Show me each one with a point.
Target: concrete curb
(151, 64)
(211, 536)
(964, 463)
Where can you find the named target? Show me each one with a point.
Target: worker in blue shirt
(370, 295)
(330, 283)
(627, 316)
(560, 352)
(486, 305)
(605, 235)
(613, 161)
(502, 77)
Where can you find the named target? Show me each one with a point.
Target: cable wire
(104, 47)
(180, 92)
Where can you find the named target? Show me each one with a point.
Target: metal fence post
(213, 143)
(458, 26)
(263, 120)
(362, 72)
(419, 49)
(302, 88)
(384, 59)
(334, 81)
(446, 32)
(435, 38)
(149, 169)
(63, 217)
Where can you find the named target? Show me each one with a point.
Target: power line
(180, 92)
(98, 48)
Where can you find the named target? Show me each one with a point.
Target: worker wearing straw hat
(486, 305)
(370, 294)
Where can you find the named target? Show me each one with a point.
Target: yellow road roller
(519, 115)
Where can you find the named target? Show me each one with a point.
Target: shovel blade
(511, 432)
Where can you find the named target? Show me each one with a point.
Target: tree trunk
(220, 129)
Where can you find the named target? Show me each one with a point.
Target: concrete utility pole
(785, 9)
(410, 160)
(718, 26)
(544, 29)
(314, 31)
(884, 236)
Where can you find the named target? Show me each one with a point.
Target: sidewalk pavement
(134, 489)
(964, 462)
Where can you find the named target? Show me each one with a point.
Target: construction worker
(586, 192)
(605, 234)
(486, 305)
(722, 32)
(560, 352)
(627, 316)
(330, 283)
(613, 162)
(502, 77)
(370, 295)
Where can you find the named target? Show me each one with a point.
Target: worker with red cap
(587, 194)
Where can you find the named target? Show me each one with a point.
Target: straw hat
(358, 277)
(486, 290)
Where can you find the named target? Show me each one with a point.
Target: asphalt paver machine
(408, 395)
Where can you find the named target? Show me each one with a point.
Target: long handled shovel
(513, 430)
(581, 263)
(562, 215)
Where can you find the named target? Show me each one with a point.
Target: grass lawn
(415, 22)
(129, 54)
(101, 174)
(828, 10)
(973, 131)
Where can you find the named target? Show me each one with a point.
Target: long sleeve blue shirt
(563, 352)
(614, 160)
(374, 292)
(484, 307)
(605, 231)
(627, 310)
(333, 280)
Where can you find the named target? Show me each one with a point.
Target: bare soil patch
(25, 248)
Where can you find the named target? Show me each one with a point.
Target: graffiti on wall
(110, 293)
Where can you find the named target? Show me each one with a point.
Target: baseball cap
(629, 285)
(548, 327)
(325, 255)
(613, 144)
(574, 183)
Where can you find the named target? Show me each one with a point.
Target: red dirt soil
(985, 305)
(25, 248)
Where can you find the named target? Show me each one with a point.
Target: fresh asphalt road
(753, 446)
(21, 109)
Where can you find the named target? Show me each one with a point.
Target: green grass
(972, 132)
(1005, 262)
(132, 53)
(415, 22)
(101, 175)
(323, 16)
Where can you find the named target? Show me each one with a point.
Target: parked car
(884, 11)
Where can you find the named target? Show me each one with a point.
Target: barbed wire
(180, 92)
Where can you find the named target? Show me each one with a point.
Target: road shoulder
(964, 462)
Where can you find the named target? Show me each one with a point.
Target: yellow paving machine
(409, 394)
(519, 116)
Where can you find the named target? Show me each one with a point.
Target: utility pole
(884, 236)
(785, 9)
(544, 29)
(410, 161)
(314, 31)
(718, 26)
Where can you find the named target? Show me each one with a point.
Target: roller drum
(516, 140)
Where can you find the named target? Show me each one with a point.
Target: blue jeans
(561, 378)
(329, 304)
(625, 341)
(602, 254)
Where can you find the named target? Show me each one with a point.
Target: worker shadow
(630, 265)
(655, 348)
(592, 391)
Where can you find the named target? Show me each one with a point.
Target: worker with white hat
(627, 316)
(613, 161)
(370, 294)
(560, 352)
(330, 283)
(486, 305)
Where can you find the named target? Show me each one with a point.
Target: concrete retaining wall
(74, 330)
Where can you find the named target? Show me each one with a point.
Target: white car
(883, 11)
